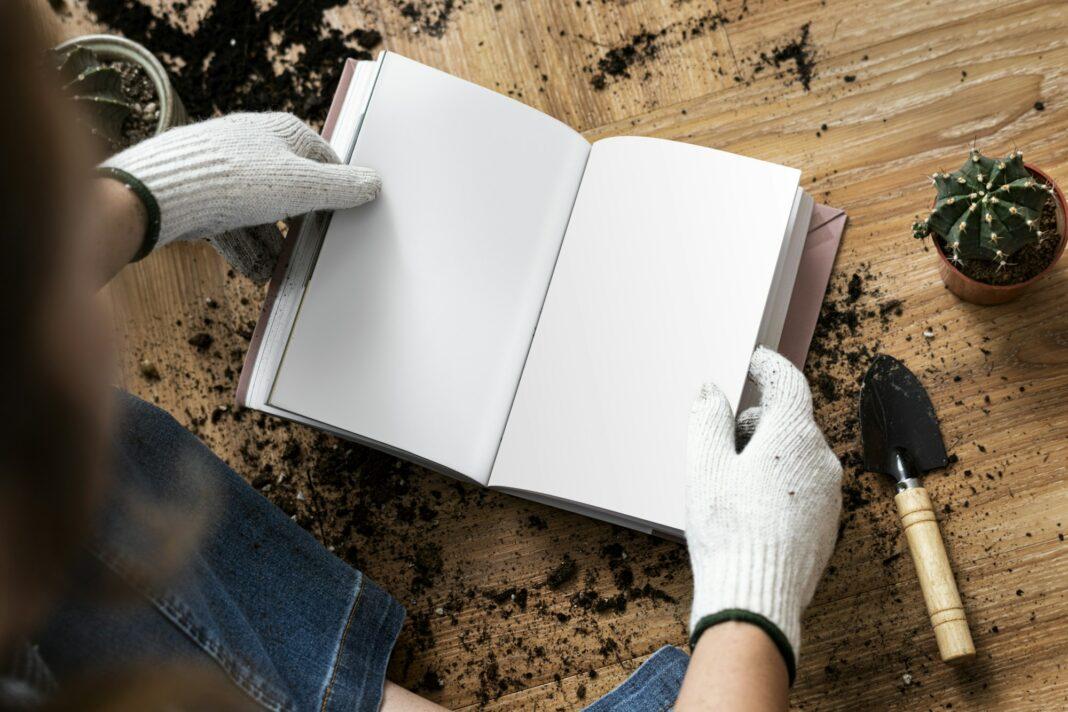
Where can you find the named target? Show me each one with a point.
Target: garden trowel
(901, 439)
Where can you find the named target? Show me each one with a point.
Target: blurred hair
(46, 488)
(51, 449)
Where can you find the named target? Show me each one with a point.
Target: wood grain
(900, 88)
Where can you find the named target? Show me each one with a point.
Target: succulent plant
(987, 210)
(96, 88)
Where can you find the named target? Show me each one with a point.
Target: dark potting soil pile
(138, 89)
(1024, 264)
(229, 61)
(231, 58)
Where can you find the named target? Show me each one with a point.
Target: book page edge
(282, 265)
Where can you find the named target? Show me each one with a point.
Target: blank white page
(415, 323)
(660, 286)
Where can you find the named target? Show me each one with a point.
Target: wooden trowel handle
(936, 577)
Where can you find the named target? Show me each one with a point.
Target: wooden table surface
(897, 89)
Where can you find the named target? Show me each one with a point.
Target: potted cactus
(998, 226)
(123, 91)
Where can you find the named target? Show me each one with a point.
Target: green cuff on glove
(772, 630)
(147, 199)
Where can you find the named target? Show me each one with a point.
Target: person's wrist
(741, 616)
(125, 219)
(734, 666)
(751, 582)
(138, 211)
(735, 629)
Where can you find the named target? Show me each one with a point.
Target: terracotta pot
(976, 292)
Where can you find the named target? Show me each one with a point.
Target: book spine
(281, 266)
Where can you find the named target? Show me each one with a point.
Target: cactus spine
(988, 210)
(97, 89)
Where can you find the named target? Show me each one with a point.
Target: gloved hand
(240, 170)
(760, 522)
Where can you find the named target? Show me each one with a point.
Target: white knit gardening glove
(241, 170)
(760, 523)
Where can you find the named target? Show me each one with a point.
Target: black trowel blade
(896, 413)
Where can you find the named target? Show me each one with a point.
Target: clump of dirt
(148, 370)
(512, 595)
(536, 522)
(1022, 265)
(795, 57)
(230, 60)
(623, 577)
(562, 574)
(617, 61)
(201, 341)
(429, 682)
(428, 566)
(429, 16)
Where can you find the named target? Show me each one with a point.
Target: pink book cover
(817, 261)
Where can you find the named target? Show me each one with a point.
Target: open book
(525, 310)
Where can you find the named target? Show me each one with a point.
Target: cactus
(988, 210)
(97, 89)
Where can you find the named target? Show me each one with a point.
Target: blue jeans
(653, 687)
(223, 578)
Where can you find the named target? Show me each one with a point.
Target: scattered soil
(227, 58)
(430, 17)
(855, 314)
(229, 62)
(430, 682)
(622, 61)
(428, 566)
(792, 59)
(412, 530)
(406, 527)
(796, 56)
(148, 371)
(562, 574)
(201, 341)
(617, 61)
(139, 90)
(1024, 264)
